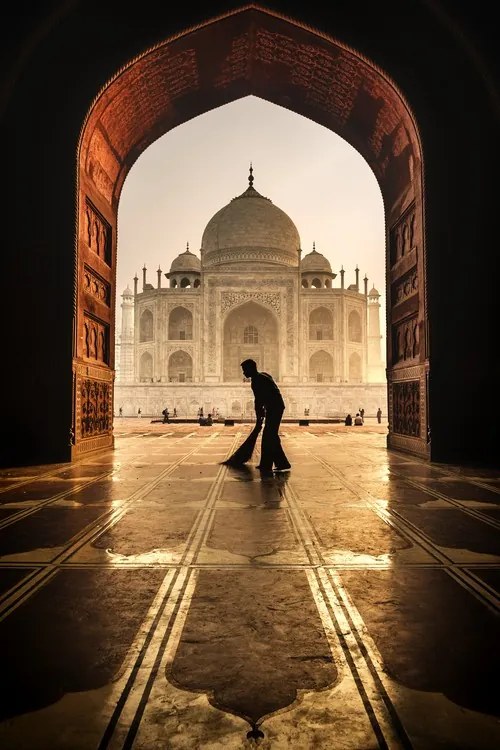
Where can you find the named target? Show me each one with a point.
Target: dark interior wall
(53, 70)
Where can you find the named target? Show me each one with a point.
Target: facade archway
(250, 332)
(354, 326)
(146, 330)
(180, 324)
(321, 367)
(146, 368)
(180, 367)
(355, 368)
(361, 104)
(320, 324)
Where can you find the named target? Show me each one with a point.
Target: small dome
(127, 292)
(315, 262)
(186, 261)
(373, 292)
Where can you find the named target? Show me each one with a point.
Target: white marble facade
(250, 294)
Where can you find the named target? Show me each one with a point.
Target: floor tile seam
(493, 593)
(473, 512)
(434, 467)
(21, 594)
(81, 565)
(401, 525)
(481, 591)
(130, 705)
(85, 536)
(134, 497)
(53, 473)
(377, 705)
(369, 652)
(204, 520)
(410, 531)
(303, 527)
(26, 512)
(88, 534)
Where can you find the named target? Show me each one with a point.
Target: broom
(244, 453)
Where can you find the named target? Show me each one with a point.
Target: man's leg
(272, 450)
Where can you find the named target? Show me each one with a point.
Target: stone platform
(152, 598)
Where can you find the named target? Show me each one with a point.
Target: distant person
(269, 408)
(120, 411)
(379, 415)
(175, 413)
(362, 414)
(166, 414)
(358, 420)
(209, 421)
(139, 412)
(348, 421)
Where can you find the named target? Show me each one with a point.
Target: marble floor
(151, 597)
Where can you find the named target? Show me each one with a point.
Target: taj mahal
(250, 294)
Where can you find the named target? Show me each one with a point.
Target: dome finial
(314, 247)
(250, 176)
(187, 247)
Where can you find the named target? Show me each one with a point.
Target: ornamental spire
(250, 176)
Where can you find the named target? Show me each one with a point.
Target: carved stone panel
(97, 233)
(94, 408)
(96, 340)
(269, 299)
(405, 340)
(406, 408)
(402, 236)
(96, 286)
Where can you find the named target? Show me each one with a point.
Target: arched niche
(321, 367)
(284, 61)
(180, 367)
(355, 330)
(146, 326)
(250, 332)
(320, 324)
(180, 324)
(355, 368)
(146, 368)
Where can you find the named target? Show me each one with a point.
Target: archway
(180, 367)
(180, 324)
(321, 367)
(250, 332)
(320, 324)
(289, 65)
(146, 326)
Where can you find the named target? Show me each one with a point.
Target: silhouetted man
(269, 404)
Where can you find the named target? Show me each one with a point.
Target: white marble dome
(315, 262)
(250, 229)
(185, 262)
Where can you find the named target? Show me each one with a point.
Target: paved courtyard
(151, 598)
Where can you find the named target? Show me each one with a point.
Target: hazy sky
(185, 177)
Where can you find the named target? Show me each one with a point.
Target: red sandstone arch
(251, 51)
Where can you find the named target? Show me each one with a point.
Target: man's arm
(260, 409)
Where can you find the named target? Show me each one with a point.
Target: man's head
(249, 367)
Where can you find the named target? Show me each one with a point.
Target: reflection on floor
(152, 598)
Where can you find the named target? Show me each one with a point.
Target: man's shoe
(287, 467)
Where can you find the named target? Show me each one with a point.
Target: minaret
(127, 338)
(375, 366)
